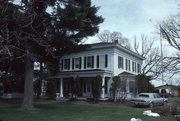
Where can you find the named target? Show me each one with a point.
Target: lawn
(174, 101)
(71, 112)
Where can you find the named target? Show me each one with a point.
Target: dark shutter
(84, 62)
(73, 63)
(79, 62)
(62, 64)
(122, 63)
(106, 60)
(92, 61)
(119, 62)
(68, 64)
(97, 61)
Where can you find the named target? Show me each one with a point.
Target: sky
(133, 17)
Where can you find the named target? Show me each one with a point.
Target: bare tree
(170, 31)
(146, 48)
(114, 37)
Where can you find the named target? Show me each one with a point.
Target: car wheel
(151, 105)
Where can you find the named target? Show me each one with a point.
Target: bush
(97, 87)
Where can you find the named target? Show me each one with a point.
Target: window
(90, 62)
(77, 63)
(120, 62)
(102, 61)
(67, 64)
(128, 65)
(133, 66)
(139, 68)
(143, 95)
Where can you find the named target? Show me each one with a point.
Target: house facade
(104, 59)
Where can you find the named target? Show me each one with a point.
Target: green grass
(174, 101)
(72, 112)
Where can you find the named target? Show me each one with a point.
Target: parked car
(148, 99)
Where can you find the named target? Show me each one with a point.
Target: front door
(87, 88)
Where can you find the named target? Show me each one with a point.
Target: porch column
(103, 90)
(61, 87)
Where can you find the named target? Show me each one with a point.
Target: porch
(66, 83)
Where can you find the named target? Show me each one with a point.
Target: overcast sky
(133, 17)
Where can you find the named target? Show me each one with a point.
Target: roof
(126, 74)
(170, 86)
(116, 45)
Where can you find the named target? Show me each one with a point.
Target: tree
(170, 31)
(143, 84)
(118, 89)
(29, 33)
(97, 87)
(114, 37)
(147, 49)
(51, 87)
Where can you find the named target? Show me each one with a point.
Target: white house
(104, 59)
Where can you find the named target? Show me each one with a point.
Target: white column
(103, 89)
(61, 87)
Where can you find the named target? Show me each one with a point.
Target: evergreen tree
(143, 84)
(30, 34)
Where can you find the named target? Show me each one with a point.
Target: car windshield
(143, 95)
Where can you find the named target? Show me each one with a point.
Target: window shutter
(68, 64)
(97, 61)
(119, 62)
(73, 63)
(79, 62)
(85, 62)
(62, 64)
(122, 63)
(106, 60)
(92, 61)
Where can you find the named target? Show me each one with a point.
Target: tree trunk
(28, 86)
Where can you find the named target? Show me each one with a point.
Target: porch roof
(84, 73)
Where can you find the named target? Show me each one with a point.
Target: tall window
(78, 63)
(133, 66)
(102, 61)
(128, 65)
(120, 62)
(67, 64)
(90, 61)
(139, 68)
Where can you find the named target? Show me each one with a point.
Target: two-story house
(104, 59)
